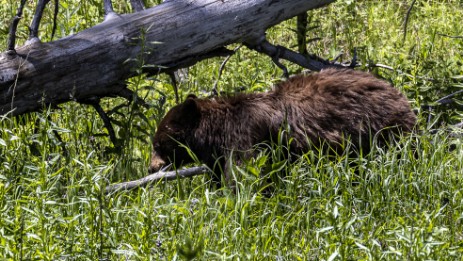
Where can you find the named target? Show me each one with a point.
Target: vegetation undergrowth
(400, 203)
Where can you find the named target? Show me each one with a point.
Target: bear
(324, 108)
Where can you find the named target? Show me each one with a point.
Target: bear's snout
(156, 162)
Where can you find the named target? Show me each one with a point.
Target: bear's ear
(191, 96)
(190, 109)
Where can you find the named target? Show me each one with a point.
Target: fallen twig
(161, 175)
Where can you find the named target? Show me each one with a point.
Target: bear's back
(332, 82)
(335, 103)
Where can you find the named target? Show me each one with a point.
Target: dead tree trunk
(96, 62)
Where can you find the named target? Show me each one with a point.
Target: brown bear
(321, 108)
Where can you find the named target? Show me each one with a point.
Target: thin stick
(95, 103)
(450, 36)
(407, 16)
(132, 97)
(222, 66)
(448, 98)
(161, 175)
(106, 122)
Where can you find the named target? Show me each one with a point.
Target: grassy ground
(394, 206)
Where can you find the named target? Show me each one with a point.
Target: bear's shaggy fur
(325, 107)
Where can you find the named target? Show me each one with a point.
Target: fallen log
(95, 63)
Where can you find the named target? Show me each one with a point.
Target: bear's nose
(152, 169)
(156, 163)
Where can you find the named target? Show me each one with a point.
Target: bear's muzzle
(156, 162)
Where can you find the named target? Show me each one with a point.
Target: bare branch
(301, 30)
(34, 28)
(451, 36)
(380, 65)
(187, 61)
(108, 7)
(161, 175)
(174, 85)
(310, 62)
(407, 16)
(14, 25)
(137, 5)
(354, 62)
(276, 60)
(448, 98)
(133, 97)
(95, 102)
(222, 66)
(55, 16)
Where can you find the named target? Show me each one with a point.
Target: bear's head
(173, 133)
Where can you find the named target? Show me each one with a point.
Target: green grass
(394, 204)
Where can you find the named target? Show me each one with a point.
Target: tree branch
(95, 102)
(161, 175)
(137, 5)
(407, 16)
(133, 97)
(34, 28)
(55, 16)
(450, 36)
(108, 7)
(12, 32)
(173, 80)
(222, 67)
(310, 62)
(301, 31)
